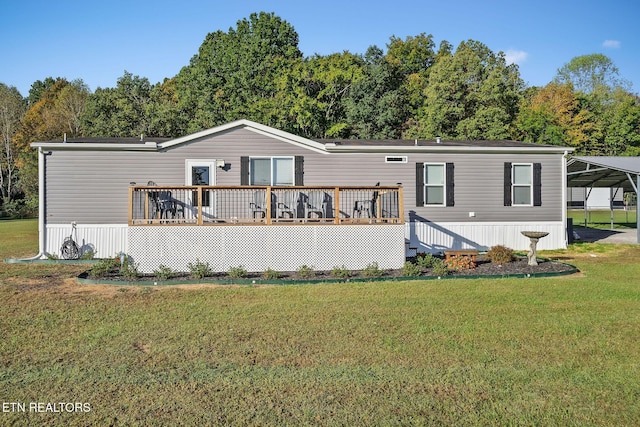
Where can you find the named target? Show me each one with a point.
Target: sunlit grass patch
(539, 351)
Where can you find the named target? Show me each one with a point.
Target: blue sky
(98, 41)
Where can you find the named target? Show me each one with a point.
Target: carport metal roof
(604, 172)
(608, 172)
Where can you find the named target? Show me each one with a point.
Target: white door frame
(211, 164)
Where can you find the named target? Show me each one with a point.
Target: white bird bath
(534, 236)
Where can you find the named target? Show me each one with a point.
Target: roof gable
(251, 126)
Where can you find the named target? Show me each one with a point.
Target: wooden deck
(264, 205)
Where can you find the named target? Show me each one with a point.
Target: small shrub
(306, 272)
(409, 269)
(270, 274)
(164, 273)
(341, 272)
(129, 270)
(500, 255)
(372, 270)
(52, 256)
(460, 263)
(237, 272)
(104, 267)
(199, 270)
(440, 269)
(88, 254)
(426, 260)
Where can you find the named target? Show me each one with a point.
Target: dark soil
(483, 268)
(520, 266)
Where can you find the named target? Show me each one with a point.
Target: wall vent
(396, 159)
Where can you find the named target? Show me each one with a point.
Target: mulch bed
(520, 266)
(483, 268)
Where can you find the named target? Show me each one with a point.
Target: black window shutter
(537, 184)
(244, 170)
(507, 184)
(450, 185)
(419, 184)
(299, 171)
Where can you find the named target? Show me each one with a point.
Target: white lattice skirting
(279, 247)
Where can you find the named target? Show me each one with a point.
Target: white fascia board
(333, 148)
(251, 126)
(291, 139)
(203, 133)
(147, 146)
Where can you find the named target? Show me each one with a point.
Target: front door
(201, 172)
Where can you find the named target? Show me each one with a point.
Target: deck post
(400, 205)
(130, 215)
(146, 207)
(200, 217)
(268, 206)
(336, 204)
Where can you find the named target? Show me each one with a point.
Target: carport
(606, 172)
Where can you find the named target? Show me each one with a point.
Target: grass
(548, 351)
(622, 219)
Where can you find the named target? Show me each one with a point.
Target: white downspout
(564, 198)
(42, 232)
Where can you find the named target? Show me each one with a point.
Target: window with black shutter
(435, 184)
(522, 184)
(277, 171)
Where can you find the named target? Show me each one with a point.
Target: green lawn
(549, 351)
(602, 218)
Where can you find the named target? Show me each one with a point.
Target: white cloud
(515, 56)
(611, 44)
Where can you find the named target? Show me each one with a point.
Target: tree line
(256, 71)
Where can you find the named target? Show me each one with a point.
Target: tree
(414, 56)
(471, 94)
(236, 74)
(615, 122)
(50, 117)
(166, 118)
(39, 87)
(591, 73)
(623, 124)
(12, 107)
(376, 105)
(552, 115)
(119, 111)
(319, 86)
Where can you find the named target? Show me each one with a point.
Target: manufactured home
(251, 195)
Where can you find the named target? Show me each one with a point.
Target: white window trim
(271, 158)
(514, 185)
(443, 185)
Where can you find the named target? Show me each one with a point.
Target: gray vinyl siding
(91, 187)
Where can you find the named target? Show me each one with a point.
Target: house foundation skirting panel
(255, 248)
(106, 240)
(437, 237)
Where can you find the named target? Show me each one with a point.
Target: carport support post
(637, 209)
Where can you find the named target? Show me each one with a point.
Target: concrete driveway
(629, 236)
